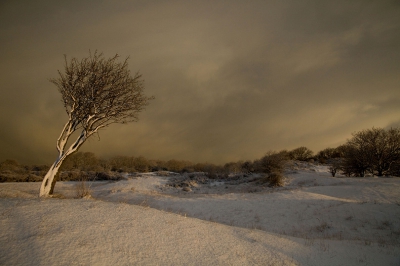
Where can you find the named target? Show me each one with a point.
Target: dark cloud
(232, 80)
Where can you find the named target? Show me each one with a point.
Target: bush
(108, 176)
(273, 180)
(13, 166)
(121, 164)
(272, 162)
(141, 164)
(33, 178)
(301, 154)
(328, 154)
(84, 161)
(8, 176)
(276, 180)
(69, 175)
(40, 168)
(233, 167)
(214, 172)
(247, 167)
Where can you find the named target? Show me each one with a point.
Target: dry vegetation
(369, 152)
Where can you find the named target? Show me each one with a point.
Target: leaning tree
(96, 93)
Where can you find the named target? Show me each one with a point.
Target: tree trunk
(49, 181)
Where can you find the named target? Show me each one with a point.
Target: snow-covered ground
(314, 220)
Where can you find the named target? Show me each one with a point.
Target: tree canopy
(96, 93)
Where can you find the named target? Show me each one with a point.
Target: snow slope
(314, 220)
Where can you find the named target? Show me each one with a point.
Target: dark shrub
(301, 154)
(273, 180)
(108, 176)
(272, 162)
(276, 180)
(375, 151)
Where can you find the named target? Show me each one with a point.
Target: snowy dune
(314, 220)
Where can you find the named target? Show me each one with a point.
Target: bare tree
(356, 160)
(375, 150)
(96, 93)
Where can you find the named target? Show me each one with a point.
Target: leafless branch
(97, 92)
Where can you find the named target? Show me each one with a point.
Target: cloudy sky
(232, 79)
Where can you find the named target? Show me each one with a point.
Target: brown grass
(83, 190)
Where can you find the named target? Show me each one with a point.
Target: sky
(232, 80)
